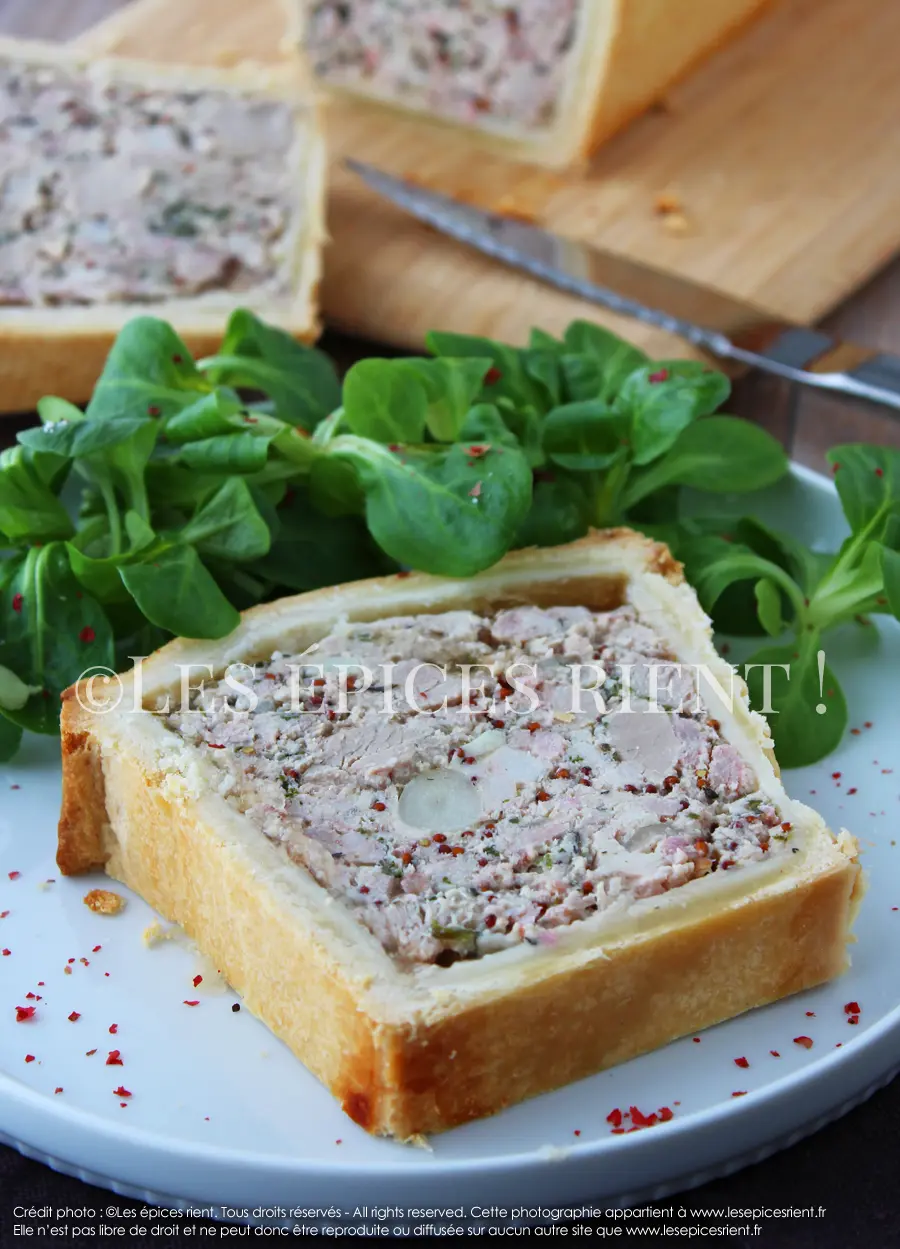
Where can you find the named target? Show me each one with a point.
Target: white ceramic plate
(221, 1114)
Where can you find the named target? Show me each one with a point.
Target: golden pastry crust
(654, 44)
(413, 1052)
(62, 350)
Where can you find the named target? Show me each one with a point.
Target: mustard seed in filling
(115, 193)
(488, 63)
(455, 830)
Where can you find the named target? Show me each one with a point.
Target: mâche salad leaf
(803, 594)
(212, 484)
(451, 510)
(301, 381)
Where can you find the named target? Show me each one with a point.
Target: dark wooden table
(850, 1167)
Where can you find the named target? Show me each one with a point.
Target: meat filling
(466, 782)
(114, 193)
(488, 64)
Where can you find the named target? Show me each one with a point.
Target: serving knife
(725, 327)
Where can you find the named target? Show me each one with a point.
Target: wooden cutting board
(783, 151)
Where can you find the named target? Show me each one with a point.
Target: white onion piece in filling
(647, 739)
(644, 838)
(440, 802)
(331, 663)
(485, 742)
(500, 772)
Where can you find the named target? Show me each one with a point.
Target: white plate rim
(875, 1040)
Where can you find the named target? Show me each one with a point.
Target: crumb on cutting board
(104, 902)
(668, 202)
(676, 223)
(669, 206)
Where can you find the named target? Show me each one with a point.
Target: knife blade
(727, 328)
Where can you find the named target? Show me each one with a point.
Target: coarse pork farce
(495, 883)
(128, 187)
(550, 80)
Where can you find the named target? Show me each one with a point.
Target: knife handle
(818, 360)
(852, 371)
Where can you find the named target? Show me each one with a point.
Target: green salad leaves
(753, 580)
(188, 490)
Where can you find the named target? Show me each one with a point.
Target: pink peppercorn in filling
(495, 65)
(462, 811)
